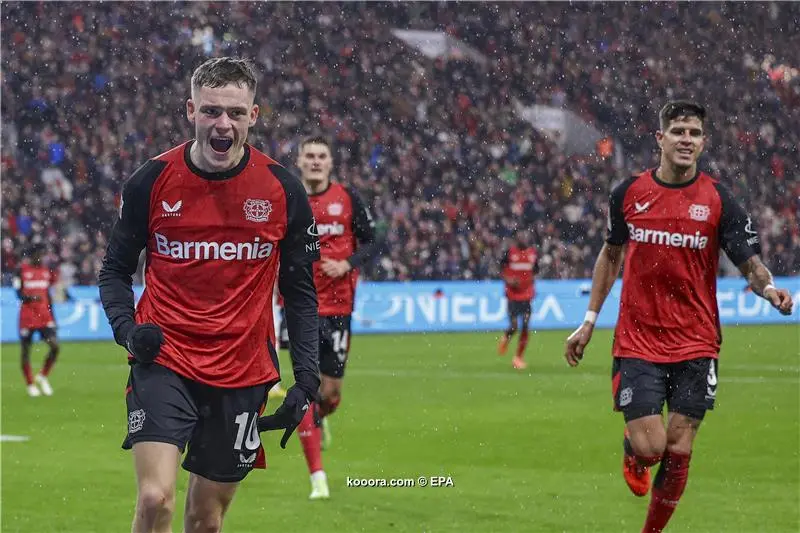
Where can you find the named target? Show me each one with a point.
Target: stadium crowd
(435, 146)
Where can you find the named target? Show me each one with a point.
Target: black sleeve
(299, 249)
(737, 232)
(617, 228)
(505, 259)
(536, 264)
(128, 238)
(364, 230)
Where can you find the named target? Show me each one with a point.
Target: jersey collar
(216, 176)
(674, 185)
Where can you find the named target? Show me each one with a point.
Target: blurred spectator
(436, 147)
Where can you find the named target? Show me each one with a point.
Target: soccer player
(669, 224)
(347, 239)
(33, 283)
(519, 269)
(216, 218)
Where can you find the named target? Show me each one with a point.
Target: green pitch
(531, 451)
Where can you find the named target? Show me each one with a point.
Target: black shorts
(518, 308)
(26, 334)
(219, 425)
(640, 387)
(334, 344)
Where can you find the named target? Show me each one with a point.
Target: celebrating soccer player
(347, 240)
(669, 224)
(33, 283)
(216, 217)
(519, 268)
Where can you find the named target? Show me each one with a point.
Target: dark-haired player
(217, 218)
(519, 270)
(347, 241)
(669, 224)
(33, 283)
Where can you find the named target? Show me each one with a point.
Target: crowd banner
(429, 306)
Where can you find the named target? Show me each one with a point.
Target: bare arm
(757, 274)
(606, 270)
(760, 279)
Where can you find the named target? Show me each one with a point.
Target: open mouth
(221, 144)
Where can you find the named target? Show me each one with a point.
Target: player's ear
(660, 138)
(253, 115)
(190, 110)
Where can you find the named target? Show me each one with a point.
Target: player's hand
(577, 342)
(144, 342)
(780, 300)
(335, 268)
(288, 415)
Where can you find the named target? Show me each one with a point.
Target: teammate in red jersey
(347, 240)
(216, 218)
(669, 224)
(33, 283)
(519, 270)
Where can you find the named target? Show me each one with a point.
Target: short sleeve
(737, 232)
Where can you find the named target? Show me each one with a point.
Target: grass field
(536, 451)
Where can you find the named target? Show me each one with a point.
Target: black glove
(31, 299)
(144, 342)
(288, 415)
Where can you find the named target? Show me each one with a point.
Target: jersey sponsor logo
(312, 229)
(520, 266)
(699, 212)
(666, 238)
(335, 209)
(37, 284)
(171, 210)
(641, 208)
(330, 229)
(203, 250)
(257, 210)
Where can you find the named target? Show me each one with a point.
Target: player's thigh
(26, 336)
(526, 316)
(639, 387)
(156, 465)
(206, 500)
(160, 407)
(225, 445)
(49, 336)
(692, 387)
(334, 345)
(681, 432)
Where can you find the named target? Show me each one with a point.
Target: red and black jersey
(33, 285)
(346, 231)
(214, 243)
(668, 310)
(519, 266)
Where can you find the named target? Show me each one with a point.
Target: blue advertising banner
(427, 306)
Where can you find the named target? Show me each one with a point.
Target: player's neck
(316, 187)
(674, 175)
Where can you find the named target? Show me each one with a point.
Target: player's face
(221, 118)
(682, 142)
(315, 163)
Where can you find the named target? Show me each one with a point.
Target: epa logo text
(441, 481)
